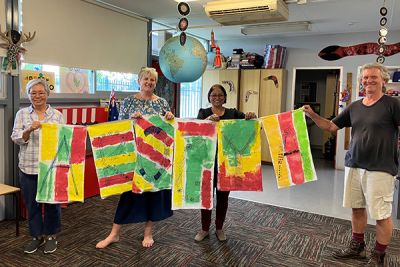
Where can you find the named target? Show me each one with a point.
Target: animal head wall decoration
(14, 41)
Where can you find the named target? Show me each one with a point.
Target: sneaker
(201, 235)
(34, 245)
(355, 250)
(220, 235)
(51, 245)
(376, 259)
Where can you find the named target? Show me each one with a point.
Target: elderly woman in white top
(27, 126)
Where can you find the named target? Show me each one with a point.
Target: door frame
(339, 149)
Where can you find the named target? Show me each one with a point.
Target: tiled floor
(323, 196)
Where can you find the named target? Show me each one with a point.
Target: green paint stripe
(118, 169)
(200, 154)
(64, 133)
(159, 122)
(304, 144)
(114, 150)
(45, 187)
(151, 169)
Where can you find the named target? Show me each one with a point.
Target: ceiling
(326, 16)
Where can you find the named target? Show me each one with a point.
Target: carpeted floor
(258, 235)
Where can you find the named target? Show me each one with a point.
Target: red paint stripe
(162, 136)
(115, 179)
(194, 128)
(146, 149)
(206, 190)
(136, 189)
(114, 139)
(61, 184)
(291, 147)
(69, 116)
(78, 145)
(79, 116)
(251, 181)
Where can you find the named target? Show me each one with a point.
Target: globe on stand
(183, 63)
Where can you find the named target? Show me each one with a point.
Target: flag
(112, 108)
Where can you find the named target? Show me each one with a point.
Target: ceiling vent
(239, 12)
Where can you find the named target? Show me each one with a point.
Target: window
(68, 80)
(190, 99)
(120, 82)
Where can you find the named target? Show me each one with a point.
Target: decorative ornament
(382, 34)
(184, 10)
(14, 41)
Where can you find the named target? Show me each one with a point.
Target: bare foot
(108, 241)
(148, 241)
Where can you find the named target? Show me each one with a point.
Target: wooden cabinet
(229, 79)
(264, 92)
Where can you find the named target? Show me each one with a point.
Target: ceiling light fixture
(276, 28)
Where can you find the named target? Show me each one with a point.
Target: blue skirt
(149, 206)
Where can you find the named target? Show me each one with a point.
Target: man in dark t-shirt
(371, 163)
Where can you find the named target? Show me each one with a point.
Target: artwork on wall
(27, 75)
(114, 153)
(290, 148)
(61, 163)
(73, 80)
(239, 155)
(193, 176)
(154, 142)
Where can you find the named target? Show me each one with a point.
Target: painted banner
(154, 142)
(290, 148)
(114, 153)
(194, 159)
(239, 155)
(27, 75)
(62, 151)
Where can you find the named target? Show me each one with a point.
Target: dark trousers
(222, 207)
(47, 224)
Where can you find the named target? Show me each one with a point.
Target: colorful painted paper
(27, 75)
(61, 163)
(154, 142)
(290, 148)
(239, 155)
(114, 153)
(194, 159)
(74, 80)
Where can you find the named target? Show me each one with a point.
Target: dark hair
(212, 89)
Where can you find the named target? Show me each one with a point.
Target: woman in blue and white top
(27, 127)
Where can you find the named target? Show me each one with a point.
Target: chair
(6, 190)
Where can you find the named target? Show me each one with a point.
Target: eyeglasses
(215, 96)
(38, 94)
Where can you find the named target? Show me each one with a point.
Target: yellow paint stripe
(178, 173)
(75, 189)
(142, 184)
(272, 130)
(115, 190)
(154, 142)
(115, 160)
(49, 141)
(109, 128)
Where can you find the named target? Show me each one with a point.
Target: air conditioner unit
(239, 12)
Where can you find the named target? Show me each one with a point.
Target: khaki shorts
(370, 189)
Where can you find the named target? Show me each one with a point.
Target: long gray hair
(384, 72)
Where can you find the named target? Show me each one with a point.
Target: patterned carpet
(258, 235)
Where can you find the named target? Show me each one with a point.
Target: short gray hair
(34, 82)
(150, 71)
(384, 72)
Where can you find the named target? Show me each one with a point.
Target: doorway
(319, 88)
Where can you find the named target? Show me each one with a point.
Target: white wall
(303, 52)
(2, 138)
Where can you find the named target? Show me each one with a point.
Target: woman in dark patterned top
(149, 206)
(217, 98)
